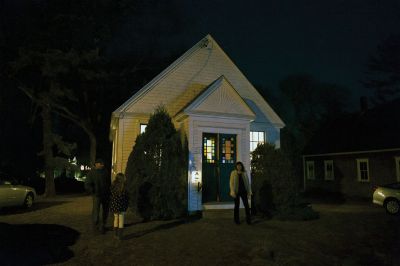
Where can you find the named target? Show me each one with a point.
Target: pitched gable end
(220, 98)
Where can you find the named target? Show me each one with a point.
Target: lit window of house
(362, 170)
(256, 137)
(328, 165)
(142, 128)
(310, 170)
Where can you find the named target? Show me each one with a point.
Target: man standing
(98, 183)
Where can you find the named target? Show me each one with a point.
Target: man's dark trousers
(100, 211)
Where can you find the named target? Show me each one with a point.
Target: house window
(142, 128)
(256, 137)
(328, 165)
(362, 170)
(397, 160)
(310, 170)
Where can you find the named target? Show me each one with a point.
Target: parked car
(12, 194)
(388, 196)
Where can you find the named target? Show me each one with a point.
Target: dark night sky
(268, 40)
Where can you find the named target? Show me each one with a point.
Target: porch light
(196, 180)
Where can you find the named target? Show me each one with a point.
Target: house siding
(128, 130)
(382, 170)
(203, 67)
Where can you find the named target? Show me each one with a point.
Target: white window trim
(309, 176)
(140, 127)
(258, 142)
(397, 161)
(326, 162)
(362, 160)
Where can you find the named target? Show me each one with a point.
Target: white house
(212, 102)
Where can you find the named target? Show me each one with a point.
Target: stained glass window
(228, 150)
(209, 149)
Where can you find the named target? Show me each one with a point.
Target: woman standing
(119, 203)
(240, 188)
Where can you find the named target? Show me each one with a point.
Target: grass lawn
(59, 231)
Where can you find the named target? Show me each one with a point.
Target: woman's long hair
(119, 183)
(240, 163)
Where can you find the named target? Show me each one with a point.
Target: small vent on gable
(206, 43)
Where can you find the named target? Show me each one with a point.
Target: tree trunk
(50, 190)
(93, 147)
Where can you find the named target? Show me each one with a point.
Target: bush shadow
(165, 226)
(36, 206)
(35, 244)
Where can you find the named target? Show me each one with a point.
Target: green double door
(219, 158)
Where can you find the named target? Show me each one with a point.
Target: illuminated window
(328, 165)
(362, 170)
(209, 149)
(310, 170)
(256, 137)
(228, 150)
(142, 128)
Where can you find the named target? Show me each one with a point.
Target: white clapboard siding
(202, 66)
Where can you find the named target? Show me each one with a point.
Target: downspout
(304, 173)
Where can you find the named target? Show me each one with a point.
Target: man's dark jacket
(98, 183)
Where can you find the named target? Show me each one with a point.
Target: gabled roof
(159, 77)
(375, 129)
(198, 67)
(219, 98)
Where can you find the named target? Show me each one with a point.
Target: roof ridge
(139, 94)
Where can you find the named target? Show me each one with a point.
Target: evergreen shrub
(275, 186)
(157, 170)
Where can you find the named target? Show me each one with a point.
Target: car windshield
(393, 185)
(7, 180)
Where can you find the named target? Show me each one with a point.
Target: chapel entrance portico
(217, 123)
(215, 145)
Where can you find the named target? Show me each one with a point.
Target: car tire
(28, 202)
(392, 206)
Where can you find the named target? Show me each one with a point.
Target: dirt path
(345, 235)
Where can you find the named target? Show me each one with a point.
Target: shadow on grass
(165, 226)
(35, 244)
(36, 206)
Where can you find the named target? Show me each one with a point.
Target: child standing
(119, 203)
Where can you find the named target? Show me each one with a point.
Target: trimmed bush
(273, 185)
(275, 188)
(157, 170)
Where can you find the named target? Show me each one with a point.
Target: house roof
(375, 129)
(193, 72)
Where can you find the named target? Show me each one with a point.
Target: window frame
(140, 128)
(326, 162)
(359, 161)
(309, 176)
(258, 139)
